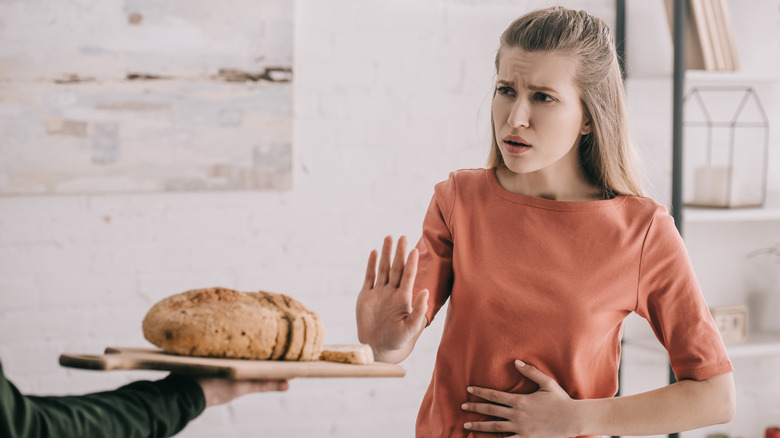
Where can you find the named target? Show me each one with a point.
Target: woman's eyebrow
(542, 88)
(532, 87)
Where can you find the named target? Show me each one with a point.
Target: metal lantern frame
(733, 124)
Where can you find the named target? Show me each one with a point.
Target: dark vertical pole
(677, 126)
(620, 48)
(677, 122)
(620, 34)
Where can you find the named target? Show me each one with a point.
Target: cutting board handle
(140, 359)
(98, 362)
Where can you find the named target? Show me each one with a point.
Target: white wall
(389, 96)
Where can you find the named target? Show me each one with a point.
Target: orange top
(550, 283)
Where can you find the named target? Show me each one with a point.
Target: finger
(410, 271)
(370, 271)
(384, 261)
(489, 426)
(503, 398)
(398, 263)
(420, 309)
(490, 409)
(544, 381)
(272, 385)
(264, 386)
(252, 386)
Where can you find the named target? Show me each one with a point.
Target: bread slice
(312, 344)
(297, 333)
(361, 354)
(318, 338)
(284, 325)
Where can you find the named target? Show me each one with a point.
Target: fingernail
(519, 363)
(464, 406)
(470, 389)
(467, 425)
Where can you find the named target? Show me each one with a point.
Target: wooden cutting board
(117, 358)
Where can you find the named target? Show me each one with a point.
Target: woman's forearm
(684, 405)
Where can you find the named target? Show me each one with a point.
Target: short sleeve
(434, 270)
(670, 299)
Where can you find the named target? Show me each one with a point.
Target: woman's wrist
(580, 414)
(390, 356)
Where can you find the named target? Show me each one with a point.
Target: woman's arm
(684, 405)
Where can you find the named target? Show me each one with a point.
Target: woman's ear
(586, 128)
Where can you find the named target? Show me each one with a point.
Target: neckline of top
(549, 204)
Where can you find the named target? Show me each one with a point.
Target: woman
(542, 256)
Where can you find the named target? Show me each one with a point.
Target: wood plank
(119, 358)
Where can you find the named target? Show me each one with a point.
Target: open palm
(387, 318)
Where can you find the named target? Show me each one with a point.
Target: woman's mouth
(516, 145)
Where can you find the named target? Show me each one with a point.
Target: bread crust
(220, 322)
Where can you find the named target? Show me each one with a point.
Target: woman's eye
(541, 97)
(505, 91)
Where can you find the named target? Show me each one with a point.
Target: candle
(711, 186)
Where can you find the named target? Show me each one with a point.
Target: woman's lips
(515, 144)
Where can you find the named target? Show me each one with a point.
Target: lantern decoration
(726, 147)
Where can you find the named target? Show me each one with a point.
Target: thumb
(544, 381)
(420, 306)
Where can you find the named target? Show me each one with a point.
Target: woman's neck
(571, 187)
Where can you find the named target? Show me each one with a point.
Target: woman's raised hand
(387, 319)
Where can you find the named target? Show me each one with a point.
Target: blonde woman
(541, 256)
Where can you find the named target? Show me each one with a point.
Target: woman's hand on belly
(548, 412)
(387, 319)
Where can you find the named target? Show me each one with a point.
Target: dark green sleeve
(138, 410)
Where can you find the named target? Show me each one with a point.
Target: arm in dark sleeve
(140, 409)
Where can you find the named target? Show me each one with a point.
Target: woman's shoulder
(461, 181)
(465, 176)
(645, 204)
(650, 212)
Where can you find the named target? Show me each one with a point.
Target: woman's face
(537, 114)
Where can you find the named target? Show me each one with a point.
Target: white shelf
(701, 77)
(769, 212)
(757, 344)
(728, 77)
(700, 215)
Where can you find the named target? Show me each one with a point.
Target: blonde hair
(607, 154)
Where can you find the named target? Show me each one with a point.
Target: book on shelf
(709, 35)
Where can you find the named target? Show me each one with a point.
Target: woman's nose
(519, 115)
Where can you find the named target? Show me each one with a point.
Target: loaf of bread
(219, 322)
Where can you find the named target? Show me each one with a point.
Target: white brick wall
(389, 97)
